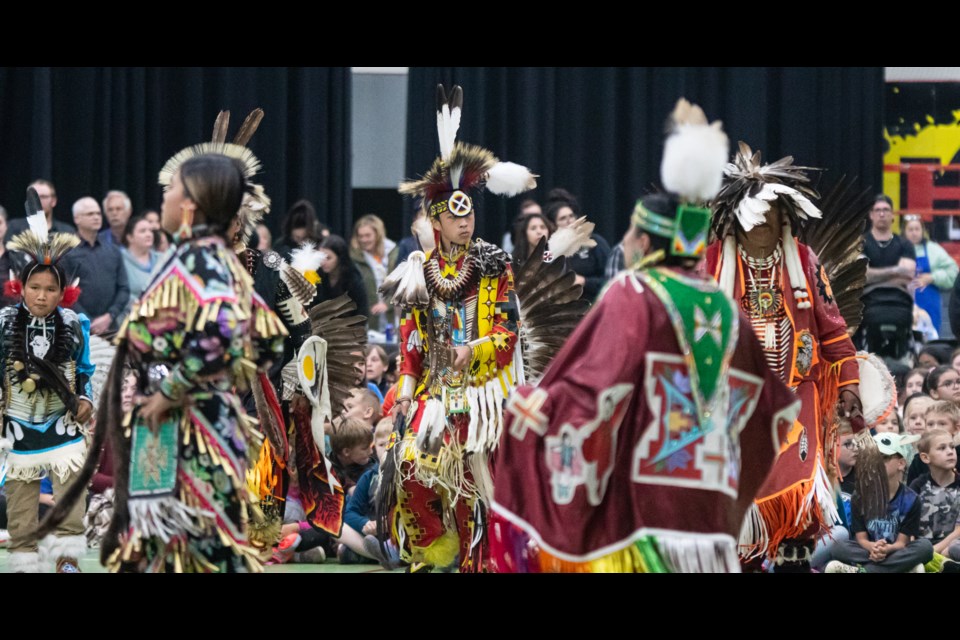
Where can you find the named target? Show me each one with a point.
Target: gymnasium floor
(91, 564)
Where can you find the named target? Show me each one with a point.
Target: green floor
(91, 564)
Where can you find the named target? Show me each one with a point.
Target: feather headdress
(37, 241)
(692, 171)
(256, 203)
(462, 168)
(749, 189)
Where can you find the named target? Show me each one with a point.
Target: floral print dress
(197, 335)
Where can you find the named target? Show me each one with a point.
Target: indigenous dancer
(46, 396)
(457, 358)
(781, 286)
(626, 455)
(198, 332)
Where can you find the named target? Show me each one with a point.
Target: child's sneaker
(285, 550)
(835, 566)
(311, 556)
(372, 546)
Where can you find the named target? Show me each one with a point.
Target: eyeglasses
(951, 383)
(911, 217)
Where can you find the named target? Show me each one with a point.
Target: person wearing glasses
(104, 289)
(936, 270)
(887, 297)
(943, 383)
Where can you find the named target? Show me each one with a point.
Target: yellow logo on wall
(935, 143)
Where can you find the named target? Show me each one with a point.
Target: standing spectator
(887, 298)
(139, 257)
(936, 270)
(48, 200)
(590, 265)
(5, 264)
(375, 256)
(340, 275)
(104, 292)
(529, 230)
(118, 209)
(299, 226)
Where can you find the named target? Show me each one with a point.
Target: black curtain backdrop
(599, 131)
(94, 129)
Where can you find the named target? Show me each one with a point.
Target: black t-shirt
(885, 303)
(903, 516)
(849, 482)
(890, 253)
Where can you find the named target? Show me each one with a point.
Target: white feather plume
(307, 257)
(694, 157)
(752, 212)
(509, 179)
(405, 285)
(807, 208)
(448, 123)
(570, 239)
(38, 224)
(442, 115)
(456, 172)
(422, 228)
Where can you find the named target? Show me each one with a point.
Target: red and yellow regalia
(452, 301)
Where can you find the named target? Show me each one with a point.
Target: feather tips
(745, 178)
(462, 166)
(36, 241)
(345, 332)
(406, 285)
(448, 118)
(837, 240)
(423, 230)
(220, 127)
(36, 218)
(549, 305)
(249, 127)
(570, 239)
(307, 257)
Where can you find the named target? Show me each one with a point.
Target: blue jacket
(360, 504)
